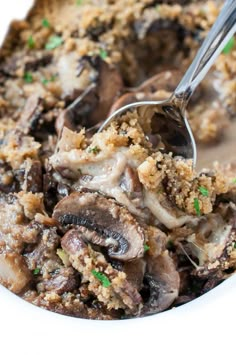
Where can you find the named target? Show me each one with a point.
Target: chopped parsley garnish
(54, 42)
(31, 42)
(50, 80)
(101, 277)
(94, 150)
(229, 46)
(45, 23)
(103, 53)
(203, 191)
(196, 206)
(79, 2)
(234, 181)
(28, 78)
(146, 247)
(36, 271)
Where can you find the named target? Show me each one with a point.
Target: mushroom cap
(163, 281)
(122, 233)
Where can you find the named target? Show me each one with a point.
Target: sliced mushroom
(31, 114)
(110, 221)
(134, 271)
(163, 281)
(64, 281)
(77, 112)
(33, 179)
(14, 273)
(43, 255)
(89, 109)
(35, 63)
(119, 292)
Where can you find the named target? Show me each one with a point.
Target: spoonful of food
(169, 118)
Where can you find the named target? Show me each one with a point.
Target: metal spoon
(169, 116)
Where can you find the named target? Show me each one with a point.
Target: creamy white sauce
(163, 216)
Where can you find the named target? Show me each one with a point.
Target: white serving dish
(204, 326)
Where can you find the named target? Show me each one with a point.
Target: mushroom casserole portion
(109, 225)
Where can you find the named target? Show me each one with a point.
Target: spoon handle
(222, 30)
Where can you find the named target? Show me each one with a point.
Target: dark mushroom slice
(43, 255)
(119, 292)
(134, 271)
(160, 37)
(8, 181)
(33, 177)
(163, 282)
(74, 114)
(34, 64)
(65, 280)
(111, 222)
(31, 114)
(108, 86)
(91, 89)
(166, 81)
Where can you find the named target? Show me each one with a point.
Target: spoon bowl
(169, 122)
(169, 117)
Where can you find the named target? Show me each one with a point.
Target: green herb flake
(229, 46)
(94, 150)
(45, 81)
(50, 80)
(196, 206)
(54, 42)
(36, 271)
(203, 190)
(103, 53)
(28, 78)
(79, 2)
(31, 42)
(234, 181)
(45, 23)
(101, 277)
(146, 247)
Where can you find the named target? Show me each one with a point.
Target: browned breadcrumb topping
(57, 84)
